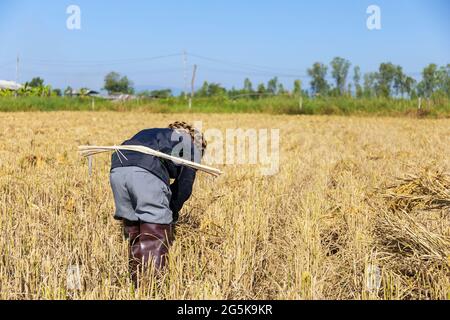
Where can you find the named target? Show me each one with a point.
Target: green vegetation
(54, 103)
(435, 107)
(34, 88)
(388, 91)
(115, 83)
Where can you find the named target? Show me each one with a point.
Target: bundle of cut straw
(87, 151)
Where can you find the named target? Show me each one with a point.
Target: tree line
(338, 78)
(333, 80)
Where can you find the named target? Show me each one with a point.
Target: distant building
(120, 97)
(9, 85)
(86, 93)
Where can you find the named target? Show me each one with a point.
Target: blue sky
(258, 39)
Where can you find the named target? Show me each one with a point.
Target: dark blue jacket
(169, 142)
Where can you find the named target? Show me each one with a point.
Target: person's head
(196, 135)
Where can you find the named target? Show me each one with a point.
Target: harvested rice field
(359, 209)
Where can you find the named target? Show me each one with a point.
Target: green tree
(261, 89)
(272, 86)
(215, 89)
(115, 83)
(233, 92)
(203, 91)
(57, 92)
(399, 81)
(127, 85)
(357, 81)
(443, 80)
(386, 76)
(211, 90)
(36, 82)
(319, 84)
(297, 88)
(409, 86)
(429, 81)
(340, 68)
(68, 92)
(370, 84)
(281, 90)
(161, 94)
(145, 93)
(248, 86)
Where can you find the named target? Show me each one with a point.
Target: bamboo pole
(88, 151)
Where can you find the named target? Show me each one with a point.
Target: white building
(9, 85)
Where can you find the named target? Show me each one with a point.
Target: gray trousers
(139, 195)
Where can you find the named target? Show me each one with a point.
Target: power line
(77, 68)
(255, 69)
(275, 71)
(256, 73)
(94, 63)
(246, 65)
(7, 65)
(95, 73)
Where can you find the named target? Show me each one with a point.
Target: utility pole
(185, 74)
(17, 68)
(17, 73)
(192, 86)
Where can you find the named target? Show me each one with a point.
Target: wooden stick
(90, 165)
(88, 151)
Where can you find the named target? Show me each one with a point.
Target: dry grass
(334, 216)
(413, 234)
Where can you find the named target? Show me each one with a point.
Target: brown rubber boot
(154, 243)
(131, 232)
